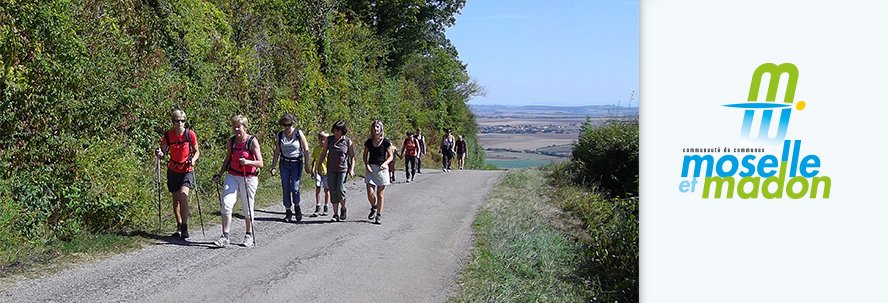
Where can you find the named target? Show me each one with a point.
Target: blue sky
(562, 52)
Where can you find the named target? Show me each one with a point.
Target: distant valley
(530, 136)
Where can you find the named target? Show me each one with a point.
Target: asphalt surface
(415, 255)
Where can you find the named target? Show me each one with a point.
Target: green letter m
(718, 183)
(775, 71)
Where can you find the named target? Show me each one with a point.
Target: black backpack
(280, 138)
(280, 135)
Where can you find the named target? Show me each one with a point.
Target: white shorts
(234, 186)
(379, 176)
(321, 181)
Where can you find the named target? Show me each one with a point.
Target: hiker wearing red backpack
(410, 152)
(181, 144)
(242, 163)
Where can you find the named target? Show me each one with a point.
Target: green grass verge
(519, 256)
(34, 259)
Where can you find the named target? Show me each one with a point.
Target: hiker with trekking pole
(197, 197)
(242, 163)
(181, 145)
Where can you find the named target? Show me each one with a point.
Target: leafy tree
(407, 26)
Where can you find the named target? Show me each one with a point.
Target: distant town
(529, 129)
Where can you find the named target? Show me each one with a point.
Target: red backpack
(410, 147)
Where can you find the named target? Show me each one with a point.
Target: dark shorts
(175, 180)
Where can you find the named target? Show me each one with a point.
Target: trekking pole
(158, 193)
(219, 194)
(252, 219)
(197, 197)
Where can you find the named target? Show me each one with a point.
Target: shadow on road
(167, 240)
(270, 212)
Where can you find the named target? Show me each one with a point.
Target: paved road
(414, 256)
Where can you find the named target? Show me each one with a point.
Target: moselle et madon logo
(752, 173)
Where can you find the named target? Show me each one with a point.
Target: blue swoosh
(758, 105)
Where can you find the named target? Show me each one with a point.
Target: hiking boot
(408, 180)
(372, 213)
(298, 212)
(177, 234)
(342, 214)
(248, 240)
(317, 210)
(184, 234)
(335, 218)
(324, 213)
(222, 242)
(378, 217)
(289, 216)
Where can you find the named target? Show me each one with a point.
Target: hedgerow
(87, 88)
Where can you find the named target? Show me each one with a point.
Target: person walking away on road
(290, 147)
(340, 155)
(377, 155)
(242, 163)
(447, 150)
(181, 144)
(420, 139)
(410, 151)
(319, 167)
(391, 166)
(461, 151)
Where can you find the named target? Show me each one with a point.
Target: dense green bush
(87, 87)
(611, 235)
(607, 156)
(600, 186)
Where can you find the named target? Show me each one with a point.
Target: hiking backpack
(280, 139)
(411, 147)
(249, 149)
(166, 137)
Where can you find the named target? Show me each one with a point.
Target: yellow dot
(800, 105)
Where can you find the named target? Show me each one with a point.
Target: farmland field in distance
(532, 136)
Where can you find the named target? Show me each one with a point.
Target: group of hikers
(330, 163)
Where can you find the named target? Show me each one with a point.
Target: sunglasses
(177, 121)
(288, 124)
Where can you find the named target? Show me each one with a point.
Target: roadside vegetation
(519, 256)
(564, 233)
(86, 88)
(600, 187)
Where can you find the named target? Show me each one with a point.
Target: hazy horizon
(633, 105)
(562, 53)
